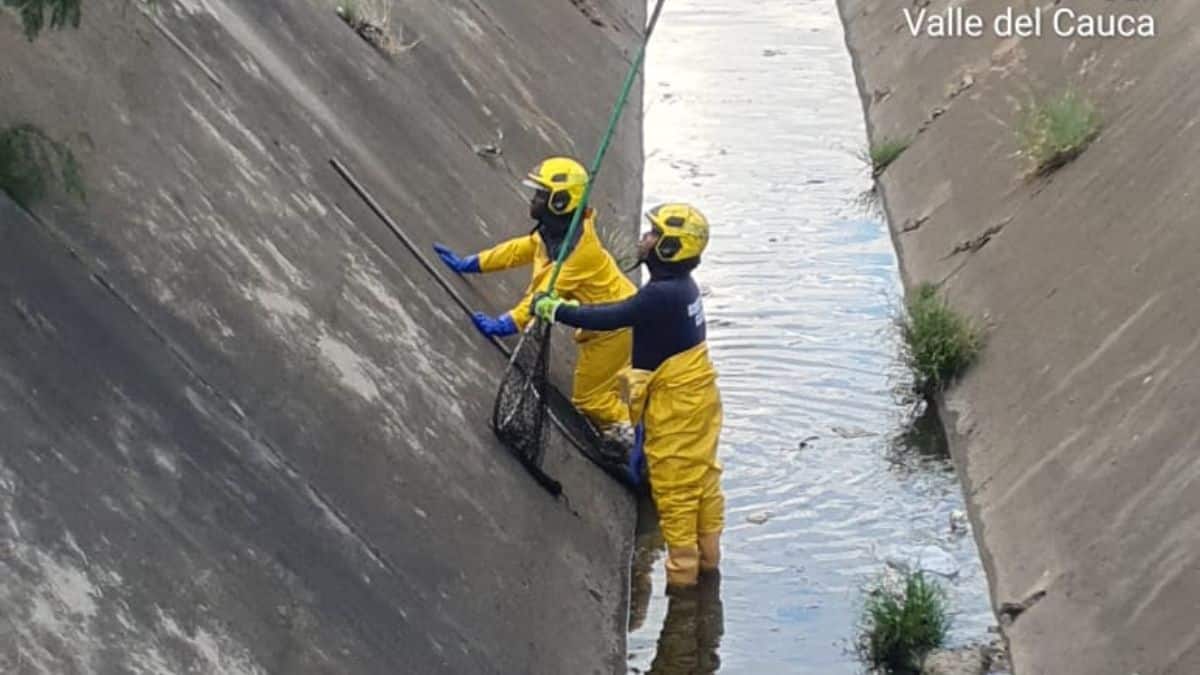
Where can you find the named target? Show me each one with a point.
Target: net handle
(605, 141)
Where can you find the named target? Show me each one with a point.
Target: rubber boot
(683, 566)
(710, 552)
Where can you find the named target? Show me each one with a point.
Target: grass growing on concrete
(1055, 131)
(32, 164)
(940, 343)
(900, 626)
(351, 12)
(883, 152)
(372, 20)
(36, 15)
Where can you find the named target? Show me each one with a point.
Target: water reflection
(753, 115)
(691, 634)
(690, 638)
(647, 551)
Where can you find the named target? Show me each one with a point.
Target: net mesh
(519, 416)
(527, 404)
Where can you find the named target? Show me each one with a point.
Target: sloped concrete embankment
(1075, 435)
(242, 430)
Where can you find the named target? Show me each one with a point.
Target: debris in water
(758, 518)
(806, 442)
(958, 522)
(773, 52)
(855, 432)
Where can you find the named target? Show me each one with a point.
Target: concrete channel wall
(1076, 435)
(241, 428)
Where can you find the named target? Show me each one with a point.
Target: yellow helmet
(565, 180)
(682, 230)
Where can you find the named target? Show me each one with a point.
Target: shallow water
(753, 115)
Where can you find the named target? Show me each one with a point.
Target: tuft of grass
(1055, 131)
(940, 343)
(900, 627)
(351, 11)
(884, 152)
(32, 164)
(36, 15)
(372, 20)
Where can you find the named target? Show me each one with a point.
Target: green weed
(351, 11)
(884, 152)
(32, 164)
(1055, 131)
(36, 15)
(900, 627)
(940, 343)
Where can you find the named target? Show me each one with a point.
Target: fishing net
(527, 404)
(519, 417)
(520, 413)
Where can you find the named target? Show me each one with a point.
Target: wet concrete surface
(752, 114)
(243, 431)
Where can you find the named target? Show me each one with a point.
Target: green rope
(604, 143)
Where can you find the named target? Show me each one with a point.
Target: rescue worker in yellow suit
(589, 274)
(673, 395)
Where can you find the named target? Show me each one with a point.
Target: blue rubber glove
(499, 327)
(636, 467)
(467, 265)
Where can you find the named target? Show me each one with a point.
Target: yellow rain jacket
(680, 407)
(591, 276)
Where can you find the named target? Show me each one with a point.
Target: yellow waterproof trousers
(694, 516)
(596, 390)
(680, 406)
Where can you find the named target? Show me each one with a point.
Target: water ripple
(752, 113)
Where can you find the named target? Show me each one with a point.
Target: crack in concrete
(975, 243)
(1009, 611)
(911, 225)
(191, 55)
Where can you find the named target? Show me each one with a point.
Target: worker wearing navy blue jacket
(673, 396)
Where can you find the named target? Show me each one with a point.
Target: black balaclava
(551, 226)
(661, 269)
